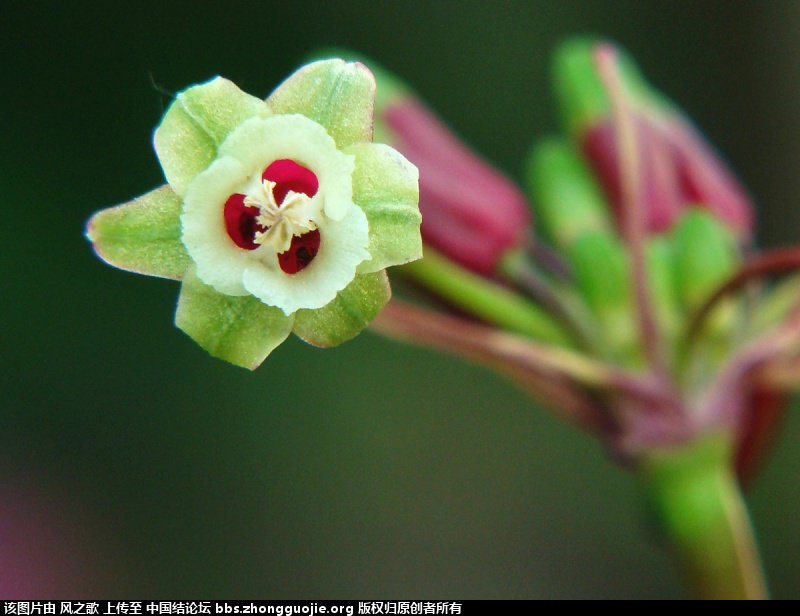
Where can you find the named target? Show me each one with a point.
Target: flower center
(277, 212)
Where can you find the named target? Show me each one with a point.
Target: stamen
(277, 213)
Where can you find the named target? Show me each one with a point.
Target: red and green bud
(471, 212)
(677, 166)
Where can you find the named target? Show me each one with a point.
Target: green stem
(699, 505)
(484, 299)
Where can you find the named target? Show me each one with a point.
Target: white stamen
(280, 221)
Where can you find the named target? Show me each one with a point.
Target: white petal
(342, 247)
(258, 142)
(220, 263)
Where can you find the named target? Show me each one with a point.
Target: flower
(278, 215)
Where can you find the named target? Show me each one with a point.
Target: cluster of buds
(638, 308)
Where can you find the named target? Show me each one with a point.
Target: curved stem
(523, 274)
(773, 262)
(694, 493)
(484, 299)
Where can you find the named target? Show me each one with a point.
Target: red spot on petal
(288, 175)
(240, 222)
(301, 252)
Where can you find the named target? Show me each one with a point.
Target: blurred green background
(133, 465)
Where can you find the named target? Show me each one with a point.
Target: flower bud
(705, 255)
(471, 212)
(676, 166)
(569, 202)
(601, 266)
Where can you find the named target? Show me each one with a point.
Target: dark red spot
(301, 252)
(288, 175)
(240, 222)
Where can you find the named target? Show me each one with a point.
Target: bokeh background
(133, 465)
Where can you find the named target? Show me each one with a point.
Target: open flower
(278, 216)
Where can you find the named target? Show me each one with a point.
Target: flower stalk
(697, 501)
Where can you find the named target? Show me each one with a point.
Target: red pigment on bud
(757, 429)
(240, 219)
(471, 212)
(677, 169)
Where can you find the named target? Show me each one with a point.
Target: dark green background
(133, 465)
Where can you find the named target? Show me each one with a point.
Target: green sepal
(338, 95)
(142, 236)
(659, 261)
(386, 188)
(705, 255)
(390, 87)
(568, 201)
(601, 268)
(240, 330)
(196, 123)
(348, 314)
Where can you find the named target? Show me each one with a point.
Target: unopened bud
(471, 212)
(676, 166)
(569, 203)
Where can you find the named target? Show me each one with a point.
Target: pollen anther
(280, 221)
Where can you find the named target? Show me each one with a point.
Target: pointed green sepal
(347, 315)
(390, 88)
(659, 260)
(338, 95)
(705, 255)
(240, 330)
(386, 188)
(197, 122)
(142, 236)
(601, 267)
(600, 264)
(567, 199)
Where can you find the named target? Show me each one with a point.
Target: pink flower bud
(678, 169)
(470, 211)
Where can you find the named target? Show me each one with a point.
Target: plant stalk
(696, 498)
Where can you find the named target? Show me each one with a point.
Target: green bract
(278, 216)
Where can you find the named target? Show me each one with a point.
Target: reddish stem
(771, 263)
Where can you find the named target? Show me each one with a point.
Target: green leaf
(142, 236)
(347, 315)
(240, 330)
(199, 119)
(386, 187)
(338, 95)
